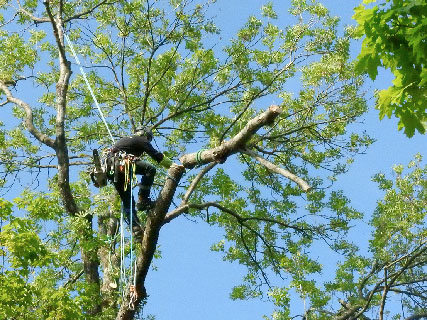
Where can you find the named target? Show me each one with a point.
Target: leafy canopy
(395, 37)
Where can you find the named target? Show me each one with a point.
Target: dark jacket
(137, 145)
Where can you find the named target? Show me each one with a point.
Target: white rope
(70, 44)
(122, 254)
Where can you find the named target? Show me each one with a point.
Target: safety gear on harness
(99, 173)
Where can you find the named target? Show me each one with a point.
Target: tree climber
(130, 149)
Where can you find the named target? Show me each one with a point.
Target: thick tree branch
(384, 295)
(61, 104)
(276, 169)
(30, 15)
(108, 226)
(47, 19)
(43, 138)
(349, 311)
(57, 31)
(227, 148)
(88, 253)
(350, 308)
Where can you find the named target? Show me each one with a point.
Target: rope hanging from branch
(73, 52)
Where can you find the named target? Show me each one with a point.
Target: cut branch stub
(227, 148)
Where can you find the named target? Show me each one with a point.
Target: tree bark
(108, 226)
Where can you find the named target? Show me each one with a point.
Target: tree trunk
(149, 241)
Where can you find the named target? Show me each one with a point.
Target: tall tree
(391, 275)
(258, 173)
(395, 35)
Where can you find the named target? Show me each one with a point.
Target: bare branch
(205, 205)
(30, 15)
(276, 169)
(74, 278)
(43, 138)
(409, 293)
(74, 17)
(196, 181)
(89, 11)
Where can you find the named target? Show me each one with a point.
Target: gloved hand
(166, 162)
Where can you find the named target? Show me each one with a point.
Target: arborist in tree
(123, 160)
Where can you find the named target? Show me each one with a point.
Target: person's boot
(144, 203)
(137, 232)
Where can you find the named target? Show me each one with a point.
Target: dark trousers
(148, 171)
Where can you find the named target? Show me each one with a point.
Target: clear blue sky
(194, 283)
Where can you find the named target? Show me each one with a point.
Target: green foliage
(395, 38)
(15, 55)
(397, 246)
(399, 219)
(5, 208)
(26, 254)
(39, 251)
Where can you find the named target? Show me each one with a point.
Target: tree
(395, 265)
(156, 63)
(395, 38)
